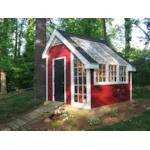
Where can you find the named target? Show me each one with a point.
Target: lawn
(141, 94)
(15, 104)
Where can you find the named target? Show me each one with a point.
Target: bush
(114, 112)
(93, 121)
(142, 74)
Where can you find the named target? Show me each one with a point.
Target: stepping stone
(33, 115)
(19, 122)
(12, 125)
(26, 118)
(6, 129)
(47, 120)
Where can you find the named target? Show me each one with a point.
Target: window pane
(80, 80)
(80, 89)
(84, 80)
(75, 80)
(112, 73)
(76, 98)
(75, 71)
(122, 73)
(84, 89)
(101, 73)
(76, 89)
(80, 98)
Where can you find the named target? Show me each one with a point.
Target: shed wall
(108, 94)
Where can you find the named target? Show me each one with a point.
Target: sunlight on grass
(56, 124)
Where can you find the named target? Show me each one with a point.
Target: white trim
(107, 77)
(117, 73)
(72, 77)
(47, 78)
(131, 68)
(81, 105)
(91, 66)
(53, 78)
(87, 64)
(88, 87)
(48, 44)
(130, 86)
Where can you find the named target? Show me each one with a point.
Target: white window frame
(88, 86)
(125, 71)
(107, 76)
(82, 85)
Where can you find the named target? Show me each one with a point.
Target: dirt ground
(78, 121)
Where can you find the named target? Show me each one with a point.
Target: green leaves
(93, 121)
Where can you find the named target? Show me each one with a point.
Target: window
(112, 73)
(79, 81)
(122, 73)
(101, 73)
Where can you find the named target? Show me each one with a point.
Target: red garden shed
(84, 72)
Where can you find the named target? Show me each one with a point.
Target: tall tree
(39, 63)
(146, 21)
(20, 36)
(87, 26)
(104, 27)
(16, 39)
(128, 36)
(6, 45)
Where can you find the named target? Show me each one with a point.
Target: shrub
(130, 108)
(74, 125)
(93, 121)
(114, 112)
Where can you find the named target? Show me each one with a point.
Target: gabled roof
(89, 50)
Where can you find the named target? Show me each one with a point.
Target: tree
(128, 36)
(6, 45)
(105, 33)
(39, 63)
(85, 26)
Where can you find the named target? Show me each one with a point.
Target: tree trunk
(105, 33)
(16, 39)
(3, 89)
(20, 36)
(39, 63)
(128, 37)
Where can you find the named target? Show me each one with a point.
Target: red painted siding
(108, 94)
(56, 52)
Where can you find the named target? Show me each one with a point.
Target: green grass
(56, 124)
(141, 94)
(69, 120)
(140, 123)
(16, 104)
(114, 113)
(74, 125)
(93, 121)
(130, 108)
